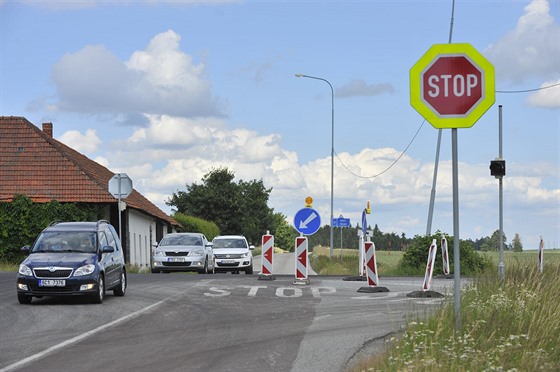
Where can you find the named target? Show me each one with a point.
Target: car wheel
(205, 269)
(155, 271)
(97, 298)
(120, 290)
(249, 270)
(23, 299)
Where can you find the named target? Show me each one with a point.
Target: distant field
(387, 261)
(525, 257)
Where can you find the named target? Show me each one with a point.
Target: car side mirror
(251, 247)
(25, 249)
(107, 249)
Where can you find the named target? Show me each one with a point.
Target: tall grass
(345, 262)
(507, 324)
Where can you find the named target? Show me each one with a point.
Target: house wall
(141, 235)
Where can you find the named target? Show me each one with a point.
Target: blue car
(73, 259)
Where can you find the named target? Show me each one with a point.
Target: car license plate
(52, 283)
(175, 259)
(228, 261)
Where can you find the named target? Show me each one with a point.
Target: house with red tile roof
(35, 164)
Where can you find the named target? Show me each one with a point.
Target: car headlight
(84, 270)
(25, 270)
(244, 255)
(198, 252)
(159, 253)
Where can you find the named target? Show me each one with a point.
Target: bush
(197, 225)
(22, 220)
(416, 256)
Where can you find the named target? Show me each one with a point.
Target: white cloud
(84, 143)
(531, 49)
(546, 97)
(159, 80)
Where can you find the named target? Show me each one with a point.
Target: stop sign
(452, 85)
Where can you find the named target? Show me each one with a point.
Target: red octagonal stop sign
(452, 85)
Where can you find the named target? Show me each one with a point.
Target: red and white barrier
(445, 256)
(430, 267)
(302, 261)
(371, 264)
(267, 254)
(541, 255)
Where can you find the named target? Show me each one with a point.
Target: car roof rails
(55, 222)
(103, 221)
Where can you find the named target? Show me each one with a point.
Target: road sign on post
(452, 85)
(307, 221)
(120, 186)
(341, 222)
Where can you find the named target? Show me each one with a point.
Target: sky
(166, 91)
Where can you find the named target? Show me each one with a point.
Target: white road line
(79, 338)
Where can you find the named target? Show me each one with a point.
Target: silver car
(232, 253)
(183, 252)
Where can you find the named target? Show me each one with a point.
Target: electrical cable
(528, 90)
(392, 164)
(421, 125)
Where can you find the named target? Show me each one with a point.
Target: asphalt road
(221, 322)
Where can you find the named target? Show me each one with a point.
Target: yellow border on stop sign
(489, 89)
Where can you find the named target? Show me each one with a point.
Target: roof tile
(37, 165)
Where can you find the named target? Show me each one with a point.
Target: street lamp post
(332, 156)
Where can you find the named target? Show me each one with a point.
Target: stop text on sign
(460, 85)
(452, 85)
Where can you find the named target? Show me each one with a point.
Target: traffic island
(425, 294)
(373, 289)
(355, 279)
(266, 277)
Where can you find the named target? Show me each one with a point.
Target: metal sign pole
(501, 265)
(119, 206)
(456, 258)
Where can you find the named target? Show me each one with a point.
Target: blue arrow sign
(364, 223)
(307, 221)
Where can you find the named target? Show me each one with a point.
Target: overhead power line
(390, 166)
(418, 131)
(528, 90)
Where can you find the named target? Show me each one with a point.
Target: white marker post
(445, 255)
(430, 267)
(541, 255)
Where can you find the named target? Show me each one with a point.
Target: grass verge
(507, 324)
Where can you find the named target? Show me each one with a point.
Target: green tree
(284, 233)
(236, 208)
(516, 242)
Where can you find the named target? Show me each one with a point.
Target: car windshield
(66, 241)
(229, 243)
(181, 240)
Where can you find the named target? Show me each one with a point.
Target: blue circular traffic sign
(307, 221)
